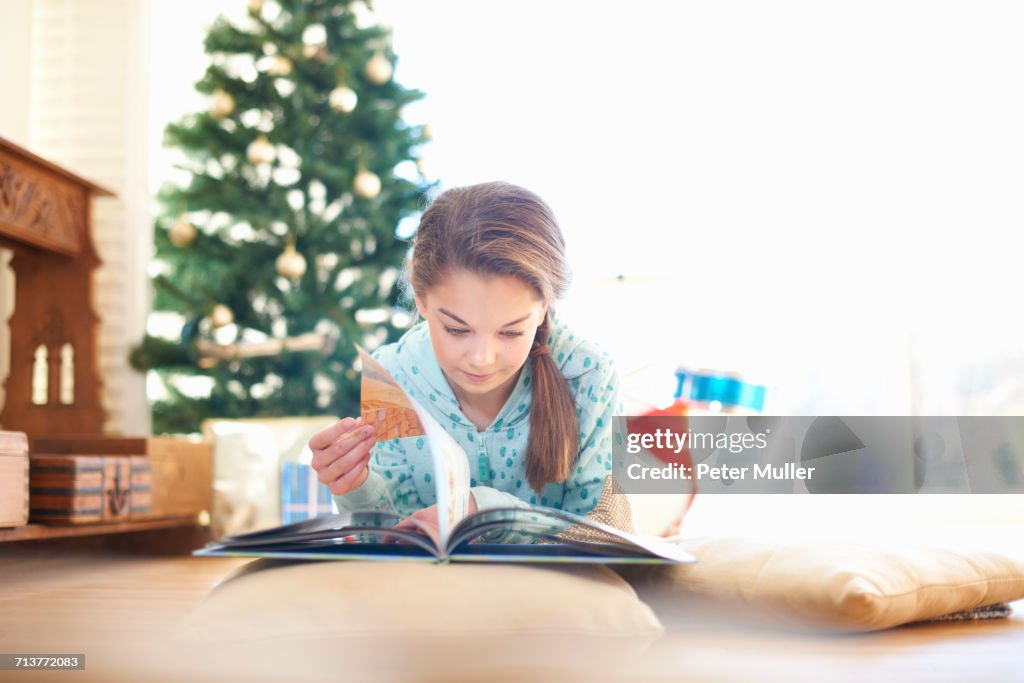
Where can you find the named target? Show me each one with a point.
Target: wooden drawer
(13, 479)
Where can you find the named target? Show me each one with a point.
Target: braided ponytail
(554, 434)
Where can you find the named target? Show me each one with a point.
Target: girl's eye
(458, 332)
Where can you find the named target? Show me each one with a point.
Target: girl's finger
(323, 439)
(342, 474)
(354, 464)
(339, 448)
(350, 440)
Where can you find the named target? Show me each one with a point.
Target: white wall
(176, 62)
(15, 50)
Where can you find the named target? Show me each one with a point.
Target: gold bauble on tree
(221, 316)
(291, 264)
(318, 53)
(314, 42)
(182, 233)
(280, 66)
(366, 184)
(343, 99)
(261, 151)
(255, 7)
(378, 69)
(222, 105)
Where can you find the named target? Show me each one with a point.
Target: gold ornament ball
(366, 184)
(182, 233)
(428, 132)
(261, 151)
(291, 264)
(255, 7)
(281, 66)
(221, 316)
(318, 53)
(378, 69)
(223, 104)
(343, 99)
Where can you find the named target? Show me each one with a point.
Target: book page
(331, 536)
(560, 526)
(395, 415)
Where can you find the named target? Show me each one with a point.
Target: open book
(557, 536)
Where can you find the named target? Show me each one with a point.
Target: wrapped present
(250, 457)
(13, 479)
(303, 496)
(80, 489)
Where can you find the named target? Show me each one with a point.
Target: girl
(529, 401)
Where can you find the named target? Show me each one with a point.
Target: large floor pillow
(418, 616)
(841, 585)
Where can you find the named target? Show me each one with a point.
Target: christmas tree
(279, 252)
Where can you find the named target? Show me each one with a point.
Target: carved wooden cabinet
(53, 386)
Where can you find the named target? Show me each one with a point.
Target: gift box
(13, 479)
(303, 496)
(82, 489)
(250, 457)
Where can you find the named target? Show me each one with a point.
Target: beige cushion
(845, 585)
(274, 601)
(349, 620)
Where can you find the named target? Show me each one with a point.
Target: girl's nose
(484, 354)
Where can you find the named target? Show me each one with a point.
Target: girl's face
(482, 329)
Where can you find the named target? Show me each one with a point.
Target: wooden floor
(748, 647)
(120, 610)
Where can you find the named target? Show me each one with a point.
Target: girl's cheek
(455, 347)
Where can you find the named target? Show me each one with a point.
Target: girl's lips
(477, 378)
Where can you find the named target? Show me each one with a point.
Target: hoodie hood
(412, 362)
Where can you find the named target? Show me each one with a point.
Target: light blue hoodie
(401, 475)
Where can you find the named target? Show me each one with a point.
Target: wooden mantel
(45, 221)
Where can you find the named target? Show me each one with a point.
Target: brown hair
(502, 229)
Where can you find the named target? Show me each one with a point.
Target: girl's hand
(341, 454)
(428, 517)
